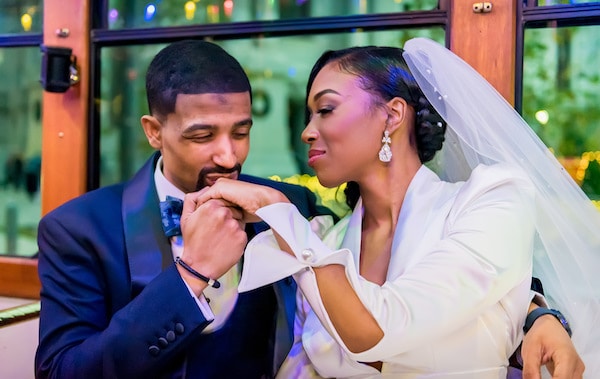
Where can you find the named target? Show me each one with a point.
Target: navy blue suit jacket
(114, 304)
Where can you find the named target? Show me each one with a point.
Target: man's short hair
(191, 67)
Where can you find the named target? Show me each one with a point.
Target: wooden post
(65, 115)
(487, 41)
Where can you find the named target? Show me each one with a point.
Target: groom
(120, 299)
(114, 303)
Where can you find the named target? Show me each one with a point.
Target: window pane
(24, 16)
(278, 69)
(20, 149)
(541, 3)
(561, 88)
(147, 14)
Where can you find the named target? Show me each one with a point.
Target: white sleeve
(265, 263)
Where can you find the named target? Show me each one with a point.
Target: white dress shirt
(222, 299)
(457, 288)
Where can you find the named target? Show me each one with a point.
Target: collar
(164, 187)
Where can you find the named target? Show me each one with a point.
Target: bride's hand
(247, 196)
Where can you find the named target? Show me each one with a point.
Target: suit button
(171, 336)
(162, 341)
(154, 350)
(308, 255)
(179, 329)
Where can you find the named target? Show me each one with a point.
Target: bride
(429, 276)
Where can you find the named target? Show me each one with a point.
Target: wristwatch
(533, 315)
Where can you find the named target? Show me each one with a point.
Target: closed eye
(201, 138)
(241, 132)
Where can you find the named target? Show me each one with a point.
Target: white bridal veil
(484, 128)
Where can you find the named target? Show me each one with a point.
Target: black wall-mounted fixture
(59, 69)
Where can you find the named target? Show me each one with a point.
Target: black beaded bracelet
(211, 282)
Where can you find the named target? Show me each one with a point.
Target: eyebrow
(242, 123)
(318, 95)
(245, 122)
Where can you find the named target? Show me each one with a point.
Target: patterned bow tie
(170, 211)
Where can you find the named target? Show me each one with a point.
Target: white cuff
(265, 263)
(538, 299)
(202, 303)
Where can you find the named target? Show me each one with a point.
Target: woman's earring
(385, 154)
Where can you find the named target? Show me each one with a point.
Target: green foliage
(591, 181)
(559, 79)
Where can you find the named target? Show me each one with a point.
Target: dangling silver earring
(385, 154)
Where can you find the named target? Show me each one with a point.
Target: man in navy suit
(115, 304)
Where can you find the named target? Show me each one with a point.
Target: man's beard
(202, 182)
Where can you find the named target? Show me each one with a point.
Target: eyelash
(324, 111)
(201, 138)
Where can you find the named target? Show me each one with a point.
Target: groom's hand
(214, 238)
(547, 343)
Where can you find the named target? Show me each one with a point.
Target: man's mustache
(201, 183)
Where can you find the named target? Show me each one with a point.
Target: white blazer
(457, 288)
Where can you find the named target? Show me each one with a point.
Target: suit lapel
(148, 250)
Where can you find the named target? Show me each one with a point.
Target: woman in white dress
(428, 277)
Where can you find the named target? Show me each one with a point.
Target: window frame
(95, 35)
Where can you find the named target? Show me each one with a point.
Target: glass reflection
(20, 150)
(23, 16)
(561, 88)
(542, 3)
(146, 14)
(278, 77)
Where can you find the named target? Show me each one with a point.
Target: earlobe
(152, 129)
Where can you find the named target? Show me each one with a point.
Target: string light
(212, 13)
(190, 10)
(228, 7)
(26, 22)
(542, 116)
(150, 12)
(113, 15)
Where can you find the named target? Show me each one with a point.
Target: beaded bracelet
(211, 282)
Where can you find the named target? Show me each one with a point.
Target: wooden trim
(19, 278)
(487, 41)
(65, 115)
